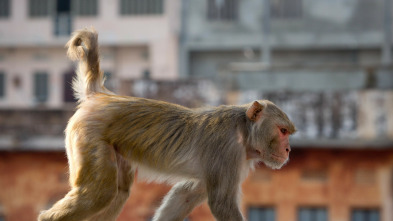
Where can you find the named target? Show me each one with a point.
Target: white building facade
(138, 38)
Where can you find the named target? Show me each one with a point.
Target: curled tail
(83, 46)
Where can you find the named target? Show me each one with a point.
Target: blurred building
(137, 39)
(328, 64)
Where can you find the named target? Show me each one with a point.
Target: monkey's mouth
(275, 159)
(279, 158)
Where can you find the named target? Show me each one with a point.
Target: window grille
(68, 93)
(141, 7)
(365, 215)
(41, 86)
(63, 19)
(86, 7)
(62, 24)
(261, 214)
(2, 84)
(38, 8)
(312, 214)
(222, 10)
(4, 8)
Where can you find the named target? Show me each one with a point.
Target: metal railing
(222, 10)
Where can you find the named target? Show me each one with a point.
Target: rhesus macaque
(206, 152)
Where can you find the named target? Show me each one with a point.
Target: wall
(354, 23)
(22, 64)
(123, 62)
(115, 29)
(339, 180)
(131, 45)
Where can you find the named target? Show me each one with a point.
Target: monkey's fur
(207, 152)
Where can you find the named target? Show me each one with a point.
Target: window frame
(264, 213)
(39, 12)
(228, 12)
(125, 8)
(314, 210)
(41, 86)
(366, 213)
(5, 12)
(93, 9)
(3, 84)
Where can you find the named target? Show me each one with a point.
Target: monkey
(205, 152)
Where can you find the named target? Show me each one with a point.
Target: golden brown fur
(207, 152)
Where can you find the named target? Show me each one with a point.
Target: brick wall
(338, 180)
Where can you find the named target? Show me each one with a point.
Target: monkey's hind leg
(180, 201)
(125, 177)
(94, 184)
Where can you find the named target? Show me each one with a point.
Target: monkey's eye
(284, 131)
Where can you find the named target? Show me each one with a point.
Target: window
(68, 93)
(146, 74)
(312, 214)
(38, 8)
(2, 84)
(86, 7)
(4, 8)
(222, 10)
(261, 214)
(286, 9)
(141, 7)
(2, 216)
(41, 86)
(63, 18)
(365, 215)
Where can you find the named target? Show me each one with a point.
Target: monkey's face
(269, 138)
(276, 153)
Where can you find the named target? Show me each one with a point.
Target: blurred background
(328, 64)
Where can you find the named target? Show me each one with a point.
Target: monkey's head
(268, 138)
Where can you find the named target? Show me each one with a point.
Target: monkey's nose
(288, 149)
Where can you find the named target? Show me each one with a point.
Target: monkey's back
(158, 134)
(147, 131)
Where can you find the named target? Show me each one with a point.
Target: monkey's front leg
(180, 201)
(223, 191)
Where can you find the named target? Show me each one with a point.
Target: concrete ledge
(38, 143)
(342, 143)
(46, 143)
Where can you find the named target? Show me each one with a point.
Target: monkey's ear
(254, 112)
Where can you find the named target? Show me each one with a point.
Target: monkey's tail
(83, 46)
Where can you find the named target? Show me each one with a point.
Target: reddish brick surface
(336, 179)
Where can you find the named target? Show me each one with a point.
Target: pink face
(277, 155)
(281, 153)
(270, 141)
